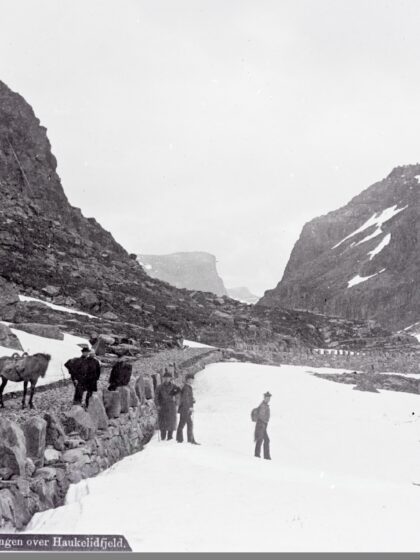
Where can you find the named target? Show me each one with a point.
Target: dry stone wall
(42, 456)
(369, 361)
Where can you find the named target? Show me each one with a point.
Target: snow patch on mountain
(194, 344)
(375, 220)
(56, 307)
(359, 279)
(385, 241)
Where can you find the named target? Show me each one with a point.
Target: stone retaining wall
(41, 457)
(395, 361)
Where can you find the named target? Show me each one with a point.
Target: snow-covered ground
(340, 479)
(60, 351)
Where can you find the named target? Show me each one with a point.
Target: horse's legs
(2, 386)
(25, 387)
(33, 383)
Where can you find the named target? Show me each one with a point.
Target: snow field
(340, 479)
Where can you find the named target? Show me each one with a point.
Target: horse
(26, 369)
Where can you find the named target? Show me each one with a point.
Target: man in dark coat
(261, 436)
(166, 405)
(186, 407)
(85, 372)
(120, 373)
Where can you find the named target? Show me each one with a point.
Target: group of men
(86, 370)
(171, 399)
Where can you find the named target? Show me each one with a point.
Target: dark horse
(26, 369)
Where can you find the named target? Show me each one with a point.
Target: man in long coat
(85, 372)
(261, 436)
(186, 407)
(166, 405)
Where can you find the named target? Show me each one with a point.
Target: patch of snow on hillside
(340, 479)
(375, 220)
(417, 177)
(56, 307)
(359, 279)
(385, 241)
(193, 344)
(60, 351)
(416, 335)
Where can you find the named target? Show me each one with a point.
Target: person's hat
(85, 349)
(167, 374)
(267, 394)
(189, 376)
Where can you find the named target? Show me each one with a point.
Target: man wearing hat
(85, 372)
(166, 405)
(186, 407)
(261, 436)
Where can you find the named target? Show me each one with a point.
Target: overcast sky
(218, 125)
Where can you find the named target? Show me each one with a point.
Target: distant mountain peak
(193, 270)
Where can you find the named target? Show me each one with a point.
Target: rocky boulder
(134, 400)
(35, 430)
(125, 398)
(112, 403)
(8, 339)
(46, 331)
(97, 412)
(78, 420)
(149, 391)
(140, 388)
(56, 435)
(51, 456)
(12, 447)
(13, 510)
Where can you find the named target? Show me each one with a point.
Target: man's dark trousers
(185, 418)
(166, 434)
(78, 394)
(263, 439)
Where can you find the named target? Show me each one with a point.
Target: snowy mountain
(363, 260)
(340, 479)
(50, 252)
(191, 270)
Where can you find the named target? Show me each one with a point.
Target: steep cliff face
(192, 270)
(363, 260)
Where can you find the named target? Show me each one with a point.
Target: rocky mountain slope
(363, 260)
(49, 251)
(191, 270)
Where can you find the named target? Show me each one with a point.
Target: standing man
(186, 407)
(166, 405)
(262, 419)
(85, 372)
